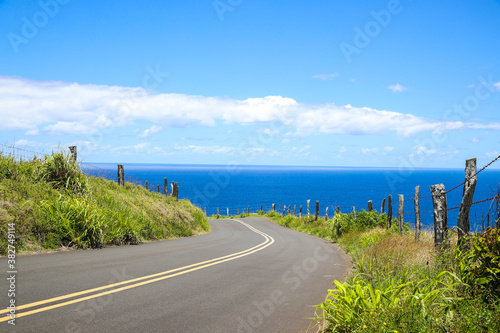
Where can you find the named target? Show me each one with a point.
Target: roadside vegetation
(52, 204)
(401, 285)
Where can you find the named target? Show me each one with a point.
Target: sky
(402, 84)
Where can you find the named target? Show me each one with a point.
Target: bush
(62, 172)
(480, 266)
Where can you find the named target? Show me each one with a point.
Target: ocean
(240, 187)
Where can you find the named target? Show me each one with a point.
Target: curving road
(247, 275)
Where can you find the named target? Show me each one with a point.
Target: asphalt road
(247, 275)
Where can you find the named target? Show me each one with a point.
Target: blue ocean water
(237, 187)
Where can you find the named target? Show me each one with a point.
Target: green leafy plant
(62, 172)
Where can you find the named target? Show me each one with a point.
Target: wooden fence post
(382, 208)
(308, 208)
(418, 222)
(284, 211)
(274, 207)
(73, 152)
(389, 212)
(354, 211)
(317, 210)
(326, 213)
(440, 215)
(147, 185)
(294, 210)
(205, 210)
(468, 194)
(401, 212)
(338, 210)
(289, 209)
(262, 208)
(175, 190)
(121, 175)
(300, 212)
(217, 212)
(165, 186)
(370, 206)
(227, 212)
(248, 211)
(159, 188)
(279, 211)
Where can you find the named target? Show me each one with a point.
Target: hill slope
(52, 204)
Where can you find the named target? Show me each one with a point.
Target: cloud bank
(54, 107)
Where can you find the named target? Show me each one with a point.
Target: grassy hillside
(53, 204)
(401, 285)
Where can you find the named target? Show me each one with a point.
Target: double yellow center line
(134, 283)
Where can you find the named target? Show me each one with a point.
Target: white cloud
(342, 150)
(326, 76)
(497, 85)
(153, 129)
(305, 150)
(475, 140)
(422, 150)
(367, 151)
(285, 141)
(397, 88)
(388, 149)
(71, 108)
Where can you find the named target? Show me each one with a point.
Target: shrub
(62, 172)
(480, 266)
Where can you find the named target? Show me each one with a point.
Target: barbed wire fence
(430, 214)
(23, 154)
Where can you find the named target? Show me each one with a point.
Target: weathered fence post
(159, 188)
(205, 211)
(227, 212)
(248, 211)
(147, 185)
(317, 210)
(262, 208)
(382, 208)
(401, 212)
(354, 211)
(289, 209)
(274, 207)
(279, 211)
(294, 210)
(73, 152)
(418, 222)
(300, 212)
(326, 213)
(121, 175)
(440, 215)
(370, 206)
(308, 207)
(175, 190)
(389, 211)
(338, 210)
(165, 186)
(284, 211)
(468, 194)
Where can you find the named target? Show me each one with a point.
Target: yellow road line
(269, 240)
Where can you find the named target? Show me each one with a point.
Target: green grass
(54, 205)
(400, 285)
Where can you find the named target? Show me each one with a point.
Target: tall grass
(53, 204)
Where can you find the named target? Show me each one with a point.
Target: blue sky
(330, 83)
